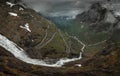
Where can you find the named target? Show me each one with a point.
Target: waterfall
(20, 54)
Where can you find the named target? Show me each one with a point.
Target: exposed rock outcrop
(98, 18)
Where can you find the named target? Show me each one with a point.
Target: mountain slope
(24, 32)
(32, 32)
(29, 31)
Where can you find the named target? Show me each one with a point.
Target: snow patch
(13, 14)
(10, 4)
(32, 40)
(26, 27)
(78, 65)
(117, 13)
(21, 9)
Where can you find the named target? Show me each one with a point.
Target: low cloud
(59, 7)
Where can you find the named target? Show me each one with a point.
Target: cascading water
(20, 54)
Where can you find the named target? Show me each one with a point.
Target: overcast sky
(60, 7)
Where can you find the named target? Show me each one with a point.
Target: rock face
(94, 14)
(98, 18)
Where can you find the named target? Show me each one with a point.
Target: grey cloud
(59, 7)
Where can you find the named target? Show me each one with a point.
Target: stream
(20, 54)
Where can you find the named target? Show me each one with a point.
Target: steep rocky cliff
(99, 18)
